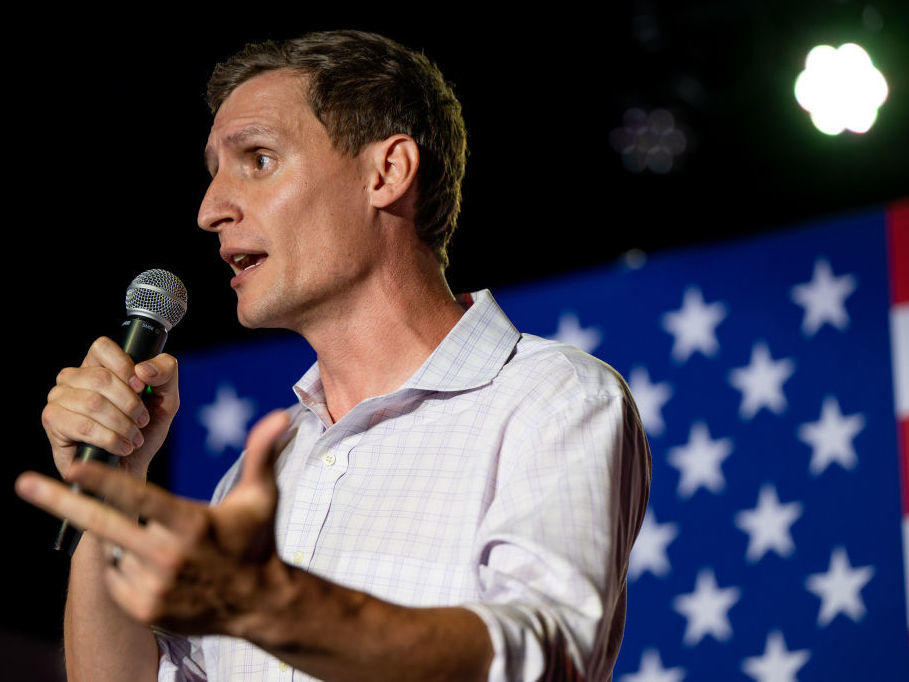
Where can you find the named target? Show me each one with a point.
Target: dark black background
(105, 122)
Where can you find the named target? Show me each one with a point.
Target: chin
(260, 316)
(251, 316)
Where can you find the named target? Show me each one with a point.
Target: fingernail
(136, 383)
(126, 447)
(138, 439)
(148, 368)
(144, 418)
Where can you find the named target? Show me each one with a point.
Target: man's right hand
(99, 404)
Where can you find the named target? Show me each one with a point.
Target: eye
(262, 162)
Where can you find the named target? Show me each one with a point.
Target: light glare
(841, 89)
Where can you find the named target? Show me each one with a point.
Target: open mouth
(246, 261)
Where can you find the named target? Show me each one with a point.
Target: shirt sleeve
(180, 659)
(553, 547)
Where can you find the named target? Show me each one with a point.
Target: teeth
(238, 257)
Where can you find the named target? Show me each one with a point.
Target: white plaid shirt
(509, 475)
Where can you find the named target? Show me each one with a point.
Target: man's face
(291, 212)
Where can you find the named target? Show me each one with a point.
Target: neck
(374, 339)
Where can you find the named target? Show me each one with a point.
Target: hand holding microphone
(96, 411)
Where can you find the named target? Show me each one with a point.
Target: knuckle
(99, 377)
(95, 402)
(47, 416)
(64, 375)
(54, 393)
(98, 345)
(85, 427)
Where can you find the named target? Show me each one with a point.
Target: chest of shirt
(390, 502)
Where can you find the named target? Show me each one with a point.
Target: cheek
(287, 202)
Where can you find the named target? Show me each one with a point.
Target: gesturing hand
(191, 568)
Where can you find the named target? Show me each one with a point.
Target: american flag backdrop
(772, 375)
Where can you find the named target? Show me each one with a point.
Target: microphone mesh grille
(158, 294)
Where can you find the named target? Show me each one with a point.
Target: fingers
(105, 352)
(92, 405)
(261, 450)
(98, 404)
(126, 583)
(82, 511)
(95, 404)
(100, 382)
(128, 494)
(114, 432)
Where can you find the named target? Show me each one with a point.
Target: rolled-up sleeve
(552, 552)
(180, 659)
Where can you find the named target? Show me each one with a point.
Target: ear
(393, 169)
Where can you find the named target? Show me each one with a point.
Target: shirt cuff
(521, 638)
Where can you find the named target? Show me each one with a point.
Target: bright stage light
(841, 89)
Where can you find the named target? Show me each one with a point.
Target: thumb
(261, 449)
(161, 374)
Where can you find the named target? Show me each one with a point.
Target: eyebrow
(237, 138)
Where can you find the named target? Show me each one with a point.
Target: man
(448, 500)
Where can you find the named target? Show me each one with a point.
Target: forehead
(272, 100)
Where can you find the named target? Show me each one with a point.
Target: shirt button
(282, 666)
(329, 458)
(298, 557)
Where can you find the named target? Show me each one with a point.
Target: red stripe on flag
(898, 255)
(898, 236)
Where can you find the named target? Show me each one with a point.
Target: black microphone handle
(143, 339)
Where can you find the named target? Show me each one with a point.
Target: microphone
(155, 302)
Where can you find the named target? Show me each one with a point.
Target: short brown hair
(365, 87)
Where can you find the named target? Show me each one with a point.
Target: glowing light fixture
(841, 89)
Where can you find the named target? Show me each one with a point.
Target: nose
(219, 208)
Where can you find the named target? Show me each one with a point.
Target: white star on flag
(225, 419)
(777, 664)
(649, 551)
(831, 437)
(824, 298)
(699, 461)
(706, 609)
(694, 325)
(761, 382)
(840, 588)
(649, 398)
(571, 332)
(652, 670)
(768, 525)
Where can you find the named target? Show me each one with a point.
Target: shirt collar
(470, 355)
